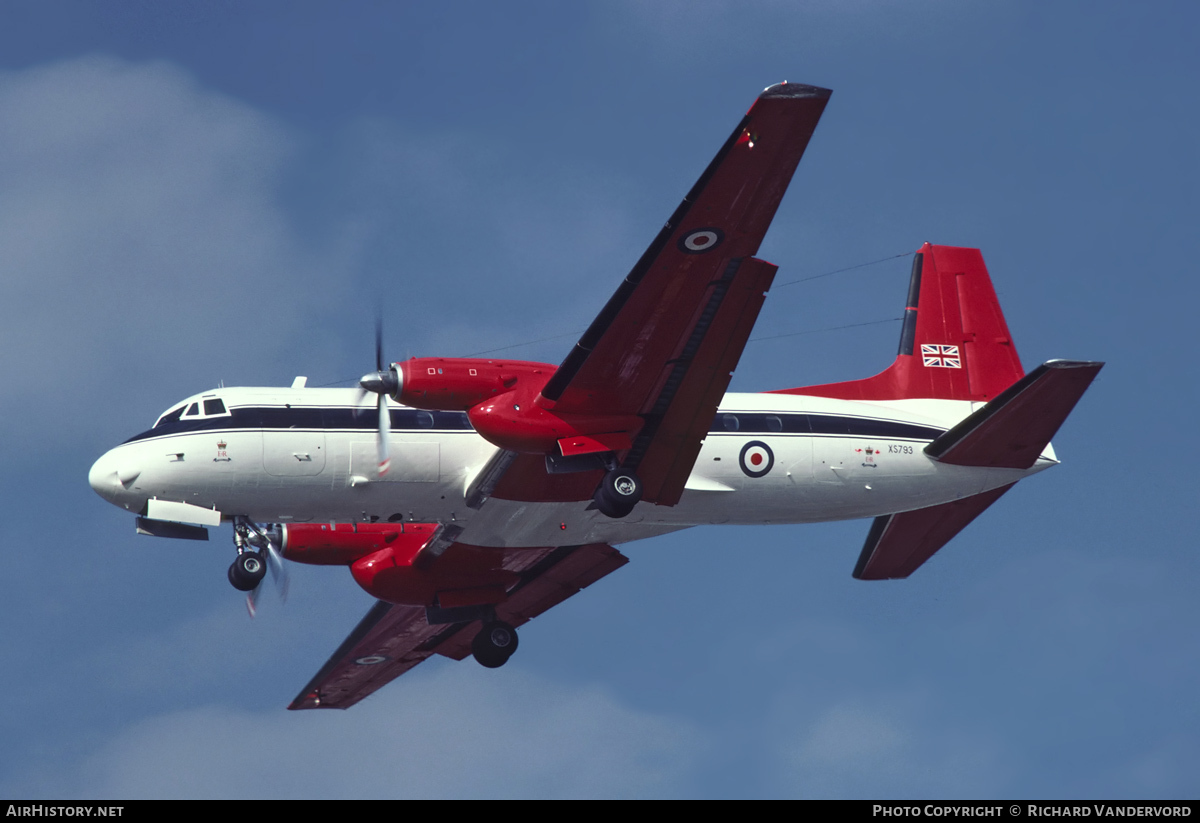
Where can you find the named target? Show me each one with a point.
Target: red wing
(665, 344)
(392, 639)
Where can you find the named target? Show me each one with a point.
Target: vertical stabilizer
(954, 344)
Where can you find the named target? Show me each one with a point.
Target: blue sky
(201, 192)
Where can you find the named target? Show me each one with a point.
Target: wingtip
(1095, 365)
(793, 90)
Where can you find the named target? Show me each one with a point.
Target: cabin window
(425, 420)
(730, 422)
(774, 423)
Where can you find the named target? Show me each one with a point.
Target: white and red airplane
(497, 488)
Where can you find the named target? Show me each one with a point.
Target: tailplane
(1011, 432)
(954, 344)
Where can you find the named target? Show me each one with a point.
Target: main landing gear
(496, 640)
(495, 643)
(618, 493)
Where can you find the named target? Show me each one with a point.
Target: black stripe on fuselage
(780, 423)
(314, 418)
(309, 418)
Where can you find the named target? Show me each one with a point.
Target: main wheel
(247, 571)
(494, 644)
(618, 493)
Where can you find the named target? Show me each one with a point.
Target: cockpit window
(170, 417)
(214, 407)
(192, 410)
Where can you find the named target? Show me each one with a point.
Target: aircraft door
(293, 442)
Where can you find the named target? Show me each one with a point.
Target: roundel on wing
(699, 241)
(756, 458)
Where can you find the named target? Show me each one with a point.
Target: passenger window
(774, 423)
(192, 411)
(730, 422)
(425, 420)
(214, 407)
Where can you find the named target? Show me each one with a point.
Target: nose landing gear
(257, 552)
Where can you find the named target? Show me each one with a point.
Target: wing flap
(666, 449)
(898, 544)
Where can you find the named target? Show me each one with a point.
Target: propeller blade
(358, 398)
(385, 429)
(279, 572)
(379, 341)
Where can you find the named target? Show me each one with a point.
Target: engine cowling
(518, 422)
(391, 574)
(383, 558)
(340, 544)
(458, 383)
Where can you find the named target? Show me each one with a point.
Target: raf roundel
(756, 458)
(701, 240)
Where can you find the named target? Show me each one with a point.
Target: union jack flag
(938, 356)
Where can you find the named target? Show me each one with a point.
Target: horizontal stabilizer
(1013, 430)
(898, 544)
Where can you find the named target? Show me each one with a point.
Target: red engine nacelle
(383, 560)
(519, 422)
(340, 544)
(458, 383)
(502, 398)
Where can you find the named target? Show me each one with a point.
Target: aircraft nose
(112, 475)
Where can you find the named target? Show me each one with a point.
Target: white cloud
(884, 746)
(141, 232)
(454, 732)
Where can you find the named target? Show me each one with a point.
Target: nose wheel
(247, 571)
(494, 644)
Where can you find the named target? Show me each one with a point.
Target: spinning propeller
(383, 382)
(279, 574)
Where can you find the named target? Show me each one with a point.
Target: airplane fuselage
(289, 455)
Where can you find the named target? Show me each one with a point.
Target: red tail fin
(954, 344)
